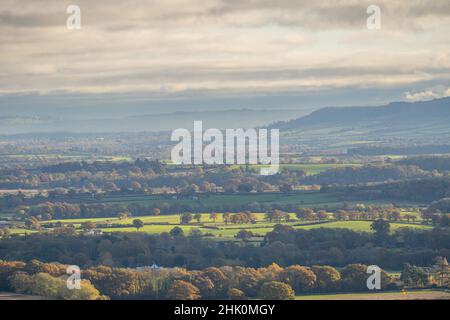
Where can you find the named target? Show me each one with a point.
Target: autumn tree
(86, 292)
(235, 294)
(5, 233)
(202, 282)
(43, 284)
(218, 278)
(413, 276)
(275, 215)
(341, 215)
(305, 214)
(124, 215)
(135, 186)
(88, 225)
(110, 186)
(183, 290)
(21, 282)
(275, 290)
(298, 277)
(32, 223)
(354, 277)
(213, 216)
(328, 278)
(322, 215)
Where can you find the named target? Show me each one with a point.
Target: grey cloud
(219, 45)
(32, 20)
(129, 14)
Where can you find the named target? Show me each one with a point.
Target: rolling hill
(427, 121)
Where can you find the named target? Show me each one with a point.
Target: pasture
(218, 228)
(389, 295)
(309, 199)
(313, 168)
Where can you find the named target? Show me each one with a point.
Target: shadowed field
(15, 296)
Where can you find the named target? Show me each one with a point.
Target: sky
(223, 52)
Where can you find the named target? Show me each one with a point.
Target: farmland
(398, 295)
(165, 223)
(260, 229)
(313, 168)
(299, 198)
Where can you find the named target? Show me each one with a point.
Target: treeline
(420, 190)
(399, 150)
(442, 205)
(371, 173)
(285, 245)
(141, 176)
(64, 210)
(430, 163)
(101, 282)
(100, 166)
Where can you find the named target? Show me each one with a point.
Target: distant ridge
(396, 116)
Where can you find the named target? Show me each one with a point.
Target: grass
(172, 219)
(150, 229)
(261, 228)
(20, 231)
(303, 198)
(299, 198)
(390, 295)
(361, 226)
(155, 225)
(72, 157)
(165, 223)
(313, 169)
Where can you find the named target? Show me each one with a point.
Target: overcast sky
(226, 48)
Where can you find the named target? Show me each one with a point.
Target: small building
(93, 232)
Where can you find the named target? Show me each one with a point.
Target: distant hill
(399, 113)
(83, 122)
(417, 120)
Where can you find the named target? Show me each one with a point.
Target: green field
(165, 223)
(172, 219)
(21, 231)
(363, 226)
(298, 198)
(307, 198)
(260, 228)
(312, 169)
